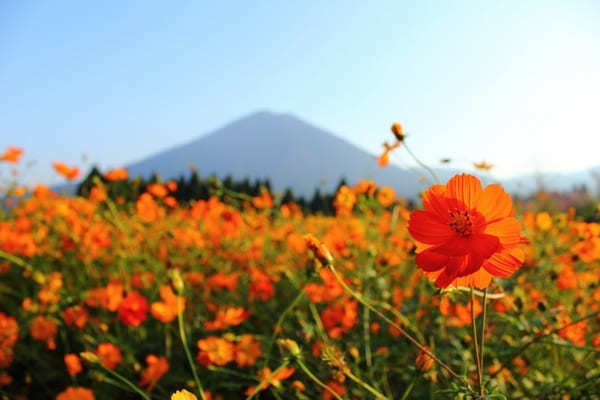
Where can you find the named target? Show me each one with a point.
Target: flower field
(223, 299)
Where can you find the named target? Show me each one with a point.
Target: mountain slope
(290, 152)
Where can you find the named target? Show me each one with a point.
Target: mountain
(555, 181)
(283, 148)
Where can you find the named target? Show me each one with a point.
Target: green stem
(475, 345)
(410, 387)
(521, 349)
(266, 379)
(280, 323)
(422, 164)
(16, 260)
(304, 368)
(188, 354)
(367, 334)
(482, 341)
(127, 382)
(365, 385)
(414, 341)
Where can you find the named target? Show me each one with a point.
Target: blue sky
(516, 83)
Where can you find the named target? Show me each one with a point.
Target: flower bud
(318, 249)
(89, 357)
(398, 131)
(291, 346)
(177, 281)
(423, 361)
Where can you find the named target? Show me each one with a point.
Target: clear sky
(516, 83)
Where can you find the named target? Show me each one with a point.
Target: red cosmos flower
(133, 309)
(466, 234)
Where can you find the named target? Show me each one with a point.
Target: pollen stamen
(460, 222)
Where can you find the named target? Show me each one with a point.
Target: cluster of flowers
(100, 299)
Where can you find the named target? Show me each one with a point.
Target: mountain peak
(281, 147)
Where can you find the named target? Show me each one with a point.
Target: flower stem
(475, 345)
(304, 368)
(127, 382)
(482, 341)
(414, 341)
(365, 385)
(422, 164)
(186, 348)
(266, 380)
(280, 323)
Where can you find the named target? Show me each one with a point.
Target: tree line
(195, 187)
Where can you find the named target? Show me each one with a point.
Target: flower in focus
(11, 155)
(70, 173)
(109, 355)
(466, 234)
(133, 309)
(156, 368)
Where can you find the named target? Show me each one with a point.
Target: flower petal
(435, 201)
(479, 279)
(494, 203)
(430, 261)
(508, 230)
(426, 228)
(505, 262)
(484, 245)
(465, 188)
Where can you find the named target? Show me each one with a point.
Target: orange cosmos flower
(109, 355)
(386, 196)
(133, 309)
(73, 364)
(118, 174)
(44, 329)
(9, 333)
(157, 190)
(167, 309)
(76, 393)
(12, 155)
(63, 169)
(214, 350)
(466, 234)
(157, 367)
(247, 350)
(267, 380)
(483, 166)
(228, 316)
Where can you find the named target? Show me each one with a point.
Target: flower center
(460, 222)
